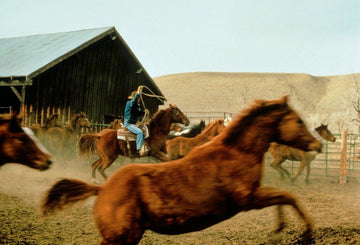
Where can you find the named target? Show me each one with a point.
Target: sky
(317, 37)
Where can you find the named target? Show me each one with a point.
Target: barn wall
(97, 80)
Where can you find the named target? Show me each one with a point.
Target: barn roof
(25, 57)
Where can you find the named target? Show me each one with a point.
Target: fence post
(343, 158)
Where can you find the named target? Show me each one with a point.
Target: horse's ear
(15, 121)
(285, 99)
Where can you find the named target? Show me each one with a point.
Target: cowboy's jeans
(139, 134)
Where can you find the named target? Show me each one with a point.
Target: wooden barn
(91, 71)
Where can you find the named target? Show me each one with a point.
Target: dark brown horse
(212, 183)
(19, 145)
(62, 141)
(180, 146)
(109, 147)
(280, 153)
(188, 132)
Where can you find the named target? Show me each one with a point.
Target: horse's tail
(67, 191)
(87, 144)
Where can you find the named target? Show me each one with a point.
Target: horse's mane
(53, 116)
(246, 118)
(212, 125)
(76, 117)
(159, 115)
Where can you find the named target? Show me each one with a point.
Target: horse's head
(178, 116)
(271, 121)
(19, 145)
(221, 126)
(80, 121)
(325, 133)
(202, 124)
(116, 124)
(292, 130)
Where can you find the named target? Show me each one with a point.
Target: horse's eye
(23, 138)
(299, 121)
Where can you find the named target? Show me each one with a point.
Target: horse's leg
(132, 237)
(307, 173)
(276, 164)
(266, 196)
(120, 223)
(160, 155)
(94, 166)
(104, 165)
(303, 163)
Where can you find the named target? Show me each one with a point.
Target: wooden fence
(327, 163)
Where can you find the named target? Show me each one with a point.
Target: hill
(319, 99)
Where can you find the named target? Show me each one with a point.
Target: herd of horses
(197, 182)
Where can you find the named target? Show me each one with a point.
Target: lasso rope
(162, 99)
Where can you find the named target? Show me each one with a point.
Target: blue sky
(318, 37)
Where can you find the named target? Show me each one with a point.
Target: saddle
(124, 134)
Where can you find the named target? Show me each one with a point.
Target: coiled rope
(162, 99)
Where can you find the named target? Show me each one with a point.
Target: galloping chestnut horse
(212, 183)
(109, 147)
(19, 145)
(280, 153)
(180, 146)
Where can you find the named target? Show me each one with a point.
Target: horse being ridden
(180, 146)
(109, 147)
(19, 145)
(212, 183)
(280, 153)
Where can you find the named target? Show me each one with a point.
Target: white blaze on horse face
(32, 136)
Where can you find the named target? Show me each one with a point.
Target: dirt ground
(334, 208)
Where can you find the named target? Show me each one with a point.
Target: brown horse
(116, 124)
(212, 183)
(109, 147)
(19, 145)
(280, 153)
(40, 131)
(180, 146)
(62, 141)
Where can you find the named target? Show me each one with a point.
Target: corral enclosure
(334, 208)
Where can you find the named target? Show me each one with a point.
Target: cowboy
(133, 112)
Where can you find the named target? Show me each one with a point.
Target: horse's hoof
(308, 237)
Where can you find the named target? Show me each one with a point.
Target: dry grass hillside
(325, 99)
